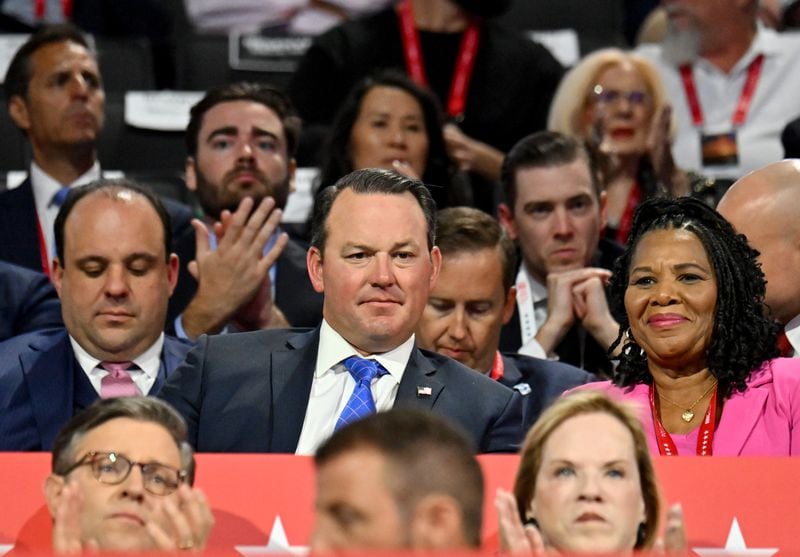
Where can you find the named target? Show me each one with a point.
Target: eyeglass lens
(113, 468)
(609, 96)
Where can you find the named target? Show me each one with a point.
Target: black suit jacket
(19, 237)
(790, 138)
(248, 392)
(542, 380)
(28, 302)
(578, 347)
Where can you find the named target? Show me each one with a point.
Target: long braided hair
(743, 336)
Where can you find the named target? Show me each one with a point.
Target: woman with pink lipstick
(615, 101)
(697, 345)
(585, 483)
(390, 122)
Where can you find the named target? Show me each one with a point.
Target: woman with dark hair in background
(387, 121)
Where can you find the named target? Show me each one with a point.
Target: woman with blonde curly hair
(614, 101)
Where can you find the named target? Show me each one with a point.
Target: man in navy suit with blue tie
(373, 257)
(114, 274)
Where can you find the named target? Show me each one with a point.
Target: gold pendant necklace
(688, 413)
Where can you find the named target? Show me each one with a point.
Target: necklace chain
(688, 413)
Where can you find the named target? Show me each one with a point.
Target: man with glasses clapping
(122, 481)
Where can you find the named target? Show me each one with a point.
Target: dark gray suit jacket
(543, 380)
(248, 392)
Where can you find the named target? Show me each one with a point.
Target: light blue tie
(361, 403)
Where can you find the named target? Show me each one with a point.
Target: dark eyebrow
(91, 259)
(233, 130)
(678, 267)
(149, 257)
(685, 266)
(226, 130)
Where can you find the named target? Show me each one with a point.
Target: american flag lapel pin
(424, 391)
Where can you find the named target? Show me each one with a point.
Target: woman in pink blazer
(696, 342)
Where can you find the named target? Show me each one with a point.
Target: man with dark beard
(733, 85)
(240, 140)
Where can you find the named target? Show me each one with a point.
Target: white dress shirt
(532, 312)
(144, 376)
(792, 330)
(776, 102)
(44, 188)
(332, 385)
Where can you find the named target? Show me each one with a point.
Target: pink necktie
(118, 382)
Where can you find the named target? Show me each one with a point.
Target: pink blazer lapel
(740, 414)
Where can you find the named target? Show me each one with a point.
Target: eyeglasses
(113, 468)
(609, 96)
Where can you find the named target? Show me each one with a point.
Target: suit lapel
(49, 374)
(511, 373)
(19, 223)
(291, 374)
(743, 411)
(419, 387)
(171, 356)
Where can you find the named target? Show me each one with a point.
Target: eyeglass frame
(634, 98)
(91, 457)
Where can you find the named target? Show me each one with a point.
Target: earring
(641, 534)
(630, 347)
(531, 522)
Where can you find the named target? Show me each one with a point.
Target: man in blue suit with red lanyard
(114, 273)
(373, 257)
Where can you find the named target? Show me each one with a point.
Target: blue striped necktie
(361, 403)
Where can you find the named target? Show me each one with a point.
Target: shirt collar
(764, 42)
(538, 290)
(45, 186)
(148, 361)
(333, 348)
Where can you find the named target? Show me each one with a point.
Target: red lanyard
(498, 367)
(39, 8)
(416, 66)
(626, 220)
(746, 97)
(42, 248)
(705, 437)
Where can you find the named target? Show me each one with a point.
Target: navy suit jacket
(249, 392)
(28, 302)
(543, 380)
(19, 237)
(37, 377)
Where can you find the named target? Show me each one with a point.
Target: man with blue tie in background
(373, 257)
(114, 274)
(55, 97)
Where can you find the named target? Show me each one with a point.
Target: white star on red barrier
(735, 546)
(277, 543)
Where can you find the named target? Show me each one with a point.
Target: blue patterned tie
(361, 403)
